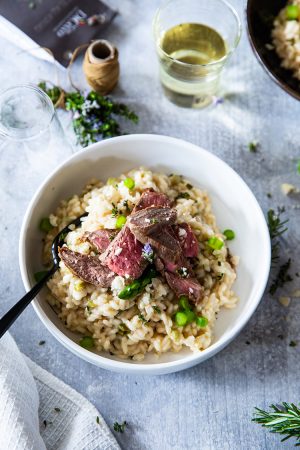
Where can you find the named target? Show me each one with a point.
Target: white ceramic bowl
(233, 204)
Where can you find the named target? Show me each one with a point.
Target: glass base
(196, 101)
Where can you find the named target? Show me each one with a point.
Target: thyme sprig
(283, 419)
(94, 116)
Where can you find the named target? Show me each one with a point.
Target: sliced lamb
(87, 268)
(187, 240)
(152, 198)
(101, 238)
(124, 255)
(184, 286)
(151, 220)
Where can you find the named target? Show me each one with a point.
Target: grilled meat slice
(184, 286)
(87, 268)
(124, 255)
(152, 198)
(165, 246)
(150, 220)
(187, 239)
(101, 238)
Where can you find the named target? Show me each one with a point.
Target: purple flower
(148, 253)
(218, 100)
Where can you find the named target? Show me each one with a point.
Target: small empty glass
(194, 40)
(28, 117)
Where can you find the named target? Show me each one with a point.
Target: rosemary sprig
(282, 419)
(276, 229)
(94, 116)
(282, 277)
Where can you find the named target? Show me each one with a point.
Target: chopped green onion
(229, 234)
(292, 12)
(112, 181)
(120, 222)
(191, 316)
(181, 319)
(201, 321)
(87, 342)
(38, 276)
(137, 286)
(129, 183)
(45, 225)
(184, 303)
(298, 166)
(215, 243)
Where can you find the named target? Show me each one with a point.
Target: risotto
(286, 37)
(148, 322)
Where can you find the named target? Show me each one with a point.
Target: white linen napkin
(38, 411)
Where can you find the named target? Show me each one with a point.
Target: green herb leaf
(142, 318)
(120, 427)
(253, 146)
(45, 225)
(183, 195)
(114, 211)
(94, 116)
(282, 277)
(156, 309)
(276, 229)
(53, 92)
(87, 342)
(125, 203)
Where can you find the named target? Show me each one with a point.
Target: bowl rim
(279, 81)
(136, 367)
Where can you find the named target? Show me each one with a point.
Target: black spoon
(8, 319)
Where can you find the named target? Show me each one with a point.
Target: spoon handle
(8, 319)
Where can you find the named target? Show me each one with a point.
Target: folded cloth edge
(52, 382)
